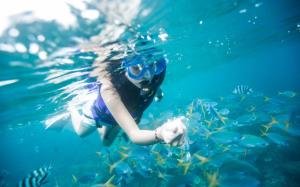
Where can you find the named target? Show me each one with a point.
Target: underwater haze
(233, 71)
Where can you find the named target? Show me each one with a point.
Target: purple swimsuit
(101, 113)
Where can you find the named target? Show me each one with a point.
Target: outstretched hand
(172, 132)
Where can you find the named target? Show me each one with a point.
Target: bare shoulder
(108, 91)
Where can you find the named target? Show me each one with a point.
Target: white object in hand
(172, 130)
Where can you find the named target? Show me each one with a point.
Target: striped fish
(242, 90)
(36, 178)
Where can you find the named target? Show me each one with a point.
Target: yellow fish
(123, 155)
(273, 121)
(199, 102)
(263, 133)
(190, 110)
(124, 148)
(286, 124)
(267, 99)
(208, 122)
(74, 179)
(159, 159)
(208, 134)
(185, 165)
(212, 179)
(267, 127)
(114, 165)
(109, 182)
(251, 108)
(202, 159)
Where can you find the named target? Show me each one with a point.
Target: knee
(84, 130)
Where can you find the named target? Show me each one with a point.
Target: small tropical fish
(226, 137)
(197, 180)
(273, 121)
(251, 141)
(251, 108)
(208, 134)
(202, 107)
(286, 124)
(289, 94)
(231, 166)
(262, 118)
(218, 129)
(263, 132)
(123, 155)
(74, 179)
(291, 130)
(113, 166)
(202, 159)
(98, 153)
(208, 122)
(159, 159)
(87, 178)
(185, 165)
(267, 99)
(124, 148)
(161, 175)
(224, 111)
(211, 110)
(277, 139)
(190, 110)
(107, 183)
(145, 168)
(238, 179)
(224, 147)
(124, 172)
(246, 119)
(213, 179)
(267, 125)
(242, 90)
(36, 178)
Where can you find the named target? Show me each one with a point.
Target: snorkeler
(126, 88)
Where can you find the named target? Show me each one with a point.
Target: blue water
(211, 46)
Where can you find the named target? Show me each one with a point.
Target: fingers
(173, 132)
(179, 129)
(179, 135)
(176, 140)
(179, 140)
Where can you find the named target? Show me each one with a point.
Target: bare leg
(108, 134)
(82, 125)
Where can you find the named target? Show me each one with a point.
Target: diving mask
(138, 68)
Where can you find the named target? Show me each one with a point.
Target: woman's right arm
(128, 124)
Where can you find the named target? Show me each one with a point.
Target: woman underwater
(126, 88)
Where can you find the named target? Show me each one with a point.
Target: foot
(57, 122)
